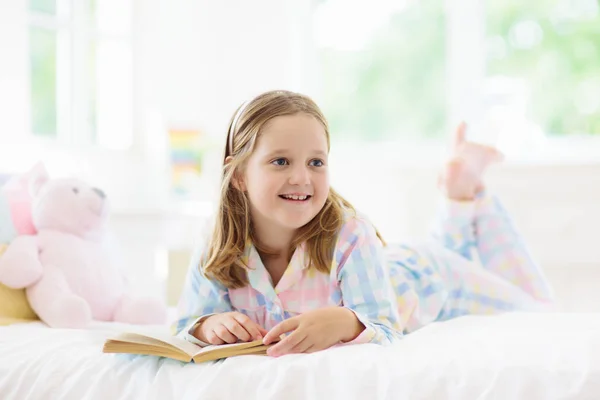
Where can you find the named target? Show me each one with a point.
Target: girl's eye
(279, 162)
(316, 163)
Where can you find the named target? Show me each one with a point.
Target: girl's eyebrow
(319, 153)
(277, 153)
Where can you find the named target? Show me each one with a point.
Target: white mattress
(513, 356)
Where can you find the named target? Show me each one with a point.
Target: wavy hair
(233, 228)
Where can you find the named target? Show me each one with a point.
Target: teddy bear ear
(38, 176)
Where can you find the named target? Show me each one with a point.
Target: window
(543, 65)
(524, 75)
(81, 83)
(382, 68)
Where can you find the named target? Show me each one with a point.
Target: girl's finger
(311, 349)
(223, 333)
(237, 329)
(250, 326)
(302, 346)
(212, 338)
(287, 344)
(262, 331)
(281, 328)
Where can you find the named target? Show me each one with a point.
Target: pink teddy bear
(69, 273)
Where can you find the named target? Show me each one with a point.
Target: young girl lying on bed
(290, 255)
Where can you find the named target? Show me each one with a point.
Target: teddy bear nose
(99, 192)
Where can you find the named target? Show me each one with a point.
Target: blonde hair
(233, 225)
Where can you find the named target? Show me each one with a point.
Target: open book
(164, 345)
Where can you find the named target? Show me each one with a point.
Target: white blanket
(513, 356)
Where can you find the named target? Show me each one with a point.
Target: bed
(511, 356)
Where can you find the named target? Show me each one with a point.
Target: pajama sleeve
(201, 298)
(365, 283)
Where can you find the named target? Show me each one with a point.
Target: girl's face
(286, 176)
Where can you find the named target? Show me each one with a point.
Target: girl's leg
(433, 283)
(473, 224)
(454, 227)
(471, 289)
(460, 181)
(502, 250)
(453, 254)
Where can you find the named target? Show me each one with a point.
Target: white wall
(217, 54)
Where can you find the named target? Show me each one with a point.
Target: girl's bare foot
(462, 176)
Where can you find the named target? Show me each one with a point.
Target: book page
(232, 352)
(163, 339)
(229, 348)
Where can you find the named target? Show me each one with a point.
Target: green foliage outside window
(555, 47)
(43, 81)
(395, 86)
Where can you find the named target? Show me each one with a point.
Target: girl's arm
(365, 283)
(201, 298)
(368, 311)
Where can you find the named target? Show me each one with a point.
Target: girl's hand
(229, 327)
(314, 330)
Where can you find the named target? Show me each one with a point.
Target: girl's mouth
(293, 197)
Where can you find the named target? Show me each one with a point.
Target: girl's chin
(295, 221)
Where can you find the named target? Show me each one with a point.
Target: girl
(288, 255)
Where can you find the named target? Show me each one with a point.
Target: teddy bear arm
(20, 265)
(55, 303)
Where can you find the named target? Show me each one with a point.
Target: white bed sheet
(512, 356)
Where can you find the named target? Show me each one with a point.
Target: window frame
(73, 132)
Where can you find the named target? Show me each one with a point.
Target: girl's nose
(300, 176)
